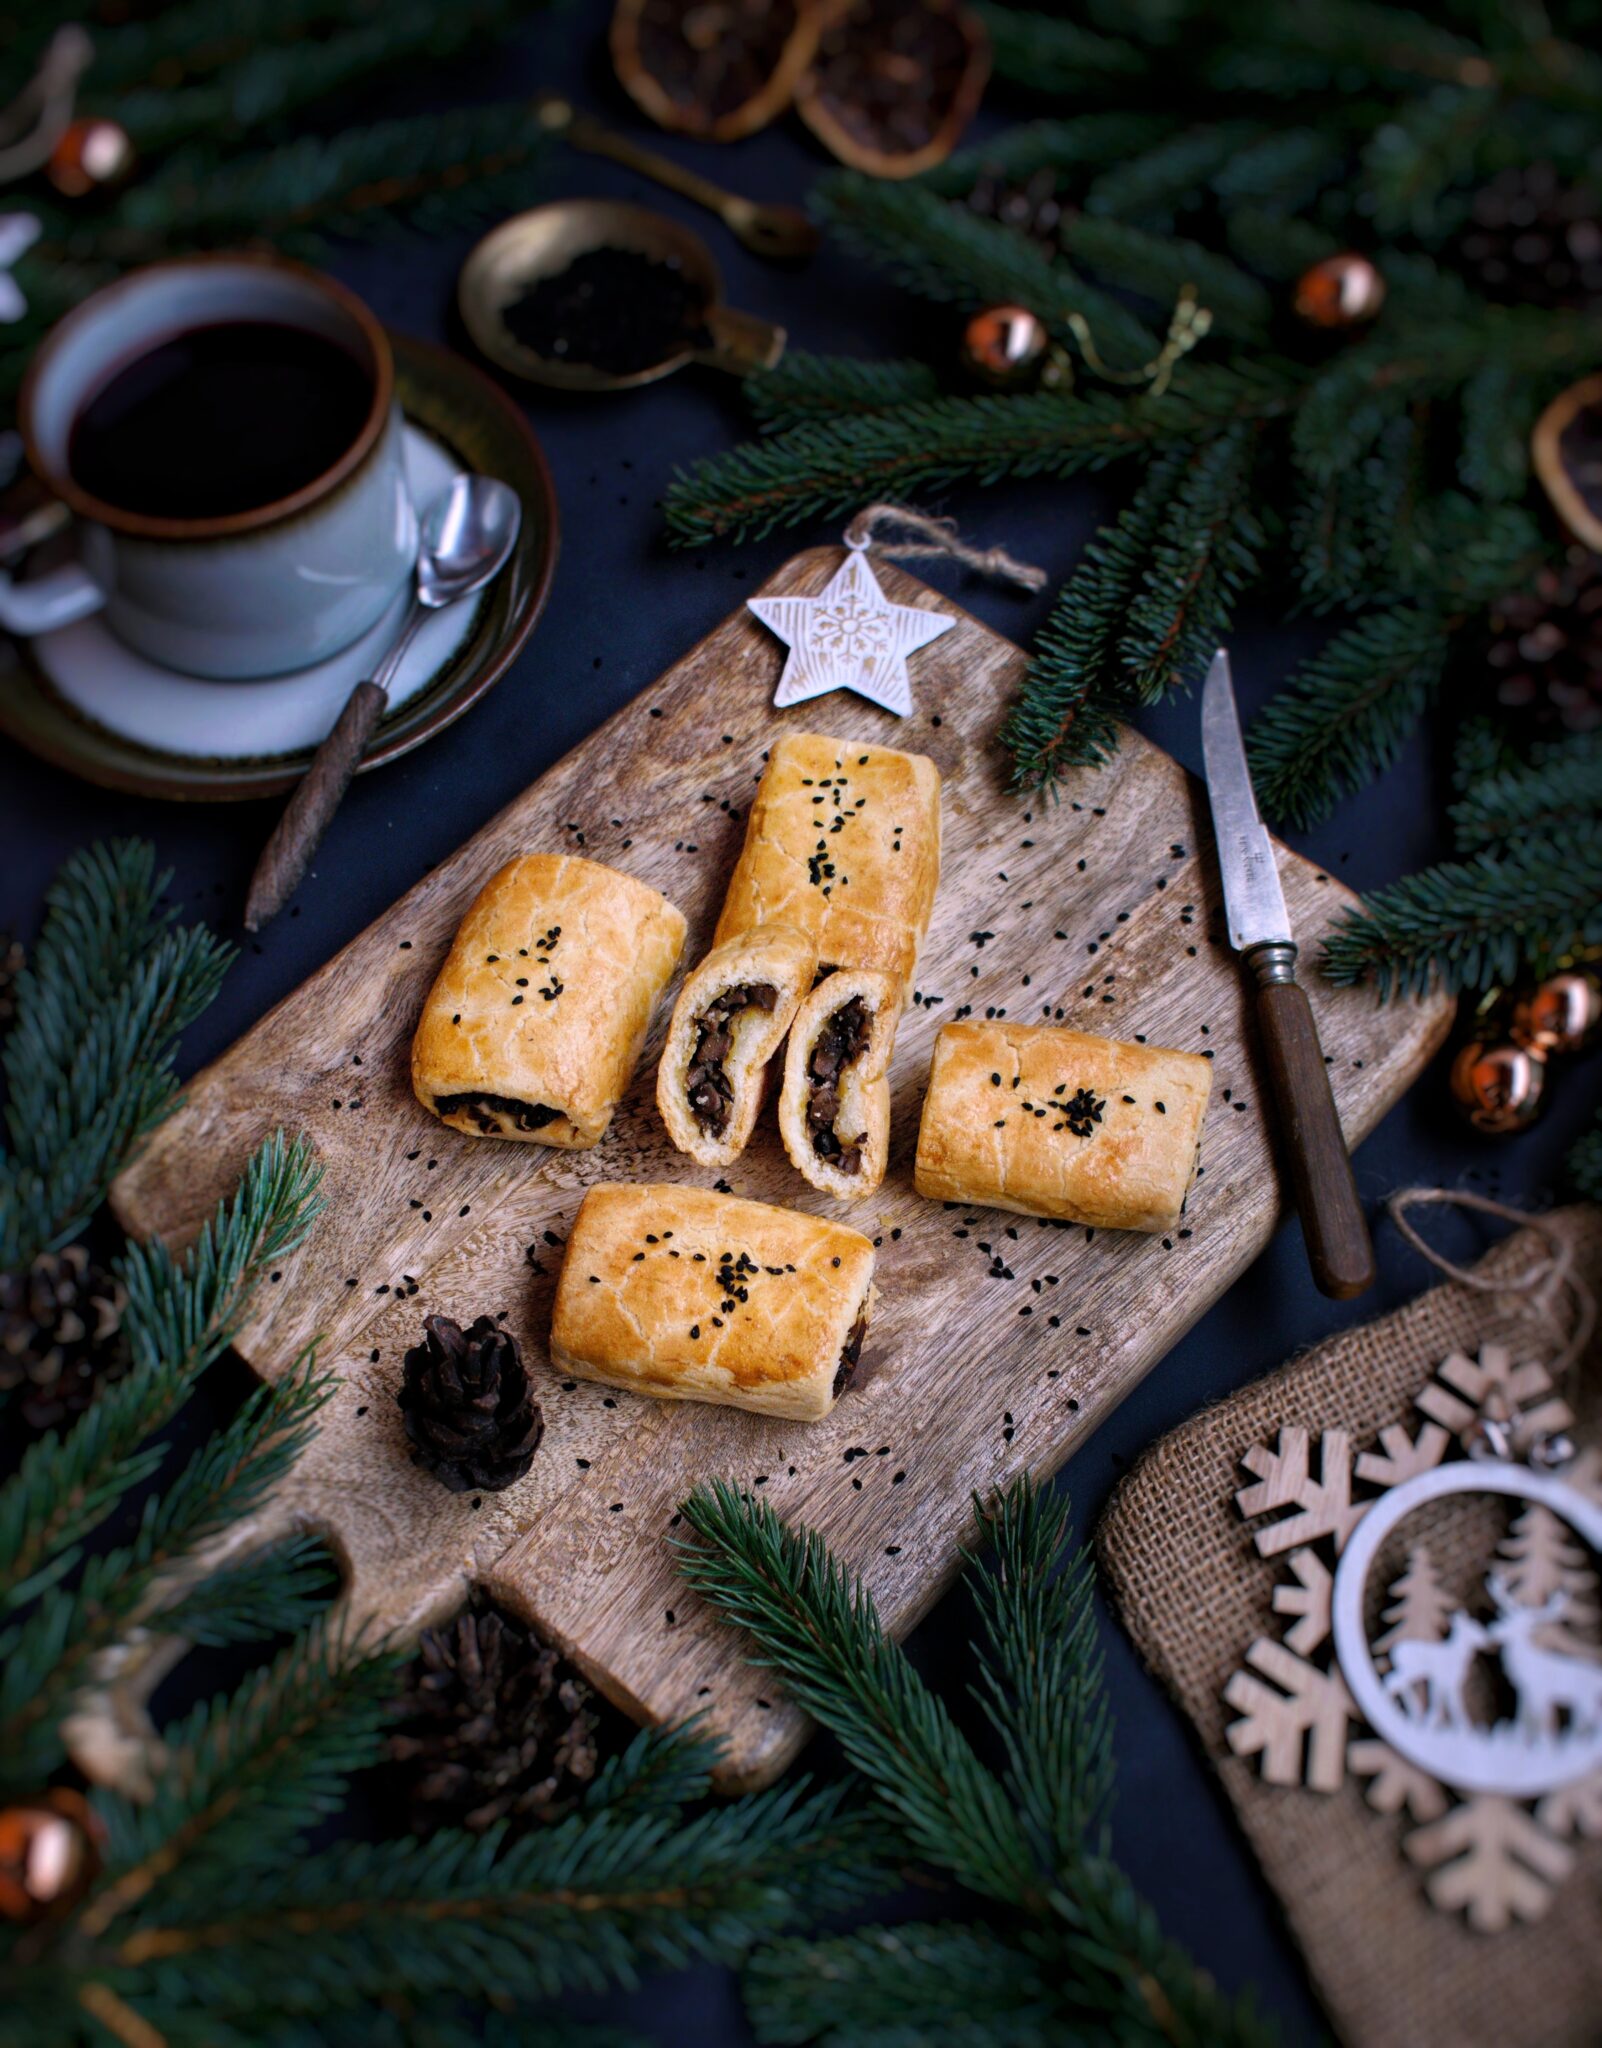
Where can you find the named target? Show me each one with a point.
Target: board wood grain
(1000, 1341)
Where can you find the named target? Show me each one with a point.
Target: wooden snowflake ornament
(1445, 1641)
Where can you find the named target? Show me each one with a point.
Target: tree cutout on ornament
(1420, 1609)
(1542, 1559)
(1488, 1786)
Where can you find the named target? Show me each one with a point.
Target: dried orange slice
(894, 83)
(717, 68)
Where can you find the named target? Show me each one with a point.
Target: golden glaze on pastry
(729, 1021)
(834, 1104)
(694, 1296)
(535, 1022)
(1051, 1122)
(843, 840)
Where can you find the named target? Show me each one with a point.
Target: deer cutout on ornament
(1440, 1669)
(1549, 1683)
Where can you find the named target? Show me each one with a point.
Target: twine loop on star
(926, 536)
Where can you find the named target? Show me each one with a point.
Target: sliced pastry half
(729, 1021)
(834, 1105)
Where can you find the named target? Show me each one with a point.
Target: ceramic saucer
(81, 699)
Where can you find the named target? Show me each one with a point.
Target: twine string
(1553, 1286)
(925, 536)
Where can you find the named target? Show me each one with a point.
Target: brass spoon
(781, 233)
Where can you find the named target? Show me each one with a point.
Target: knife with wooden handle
(1338, 1246)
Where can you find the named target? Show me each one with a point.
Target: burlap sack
(1392, 1970)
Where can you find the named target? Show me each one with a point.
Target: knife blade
(1336, 1231)
(1253, 899)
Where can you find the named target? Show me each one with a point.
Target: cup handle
(45, 603)
(740, 342)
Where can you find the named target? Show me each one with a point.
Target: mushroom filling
(492, 1112)
(842, 1038)
(851, 1350)
(707, 1087)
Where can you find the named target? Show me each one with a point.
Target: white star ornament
(849, 637)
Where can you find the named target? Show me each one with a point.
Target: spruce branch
(1041, 1668)
(828, 467)
(1070, 1912)
(900, 1987)
(1063, 717)
(245, 1777)
(802, 387)
(953, 257)
(661, 1769)
(239, 84)
(181, 1314)
(108, 991)
(1047, 53)
(816, 1628)
(1545, 798)
(1475, 923)
(1081, 142)
(47, 1656)
(1162, 267)
(591, 1900)
(1152, 185)
(1203, 553)
(432, 171)
(1344, 716)
(1499, 409)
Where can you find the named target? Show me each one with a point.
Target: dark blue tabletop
(623, 607)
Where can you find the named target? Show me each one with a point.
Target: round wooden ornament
(1419, 1703)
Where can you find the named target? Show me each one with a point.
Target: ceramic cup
(252, 593)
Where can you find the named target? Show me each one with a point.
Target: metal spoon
(783, 234)
(468, 533)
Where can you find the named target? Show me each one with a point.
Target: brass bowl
(546, 239)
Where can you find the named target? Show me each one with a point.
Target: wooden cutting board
(1000, 1341)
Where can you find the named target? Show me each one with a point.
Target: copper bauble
(1005, 345)
(49, 1854)
(92, 155)
(1560, 1014)
(1498, 1085)
(1342, 291)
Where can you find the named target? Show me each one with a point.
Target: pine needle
(1474, 923)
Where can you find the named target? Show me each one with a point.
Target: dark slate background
(624, 606)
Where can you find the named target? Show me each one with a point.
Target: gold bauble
(1560, 1014)
(1498, 1085)
(1342, 291)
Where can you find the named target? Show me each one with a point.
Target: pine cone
(1033, 207)
(60, 1334)
(1532, 240)
(469, 1412)
(495, 1727)
(1545, 656)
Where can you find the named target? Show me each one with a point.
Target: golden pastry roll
(690, 1295)
(729, 1021)
(834, 1103)
(536, 1020)
(1052, 1122)
(843, 841)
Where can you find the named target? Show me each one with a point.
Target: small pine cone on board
(495, 1726)
(469, 1411)
(61, 1336)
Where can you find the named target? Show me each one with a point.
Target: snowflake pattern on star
(849, 637)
